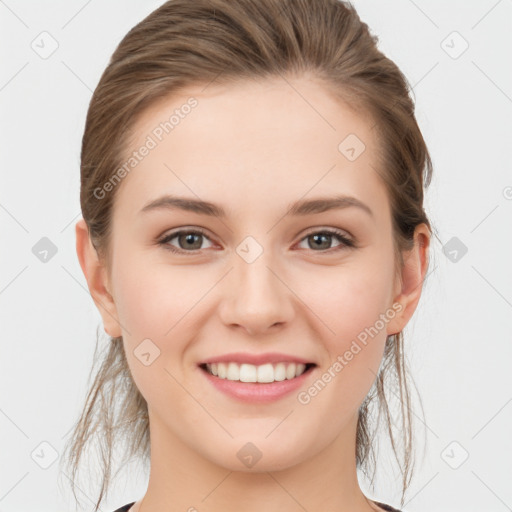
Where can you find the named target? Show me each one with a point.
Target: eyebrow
(298, 208)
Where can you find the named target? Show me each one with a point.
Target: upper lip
(256, 359)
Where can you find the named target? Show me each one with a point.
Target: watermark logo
(44, 455)
(45, 45)
(151, 142)
(305, 397)
(146, 352)
(455, 455)
(454, 45)
(454, 249)
(249, 454)
(249, 249)
(44, 250)
(351, 147)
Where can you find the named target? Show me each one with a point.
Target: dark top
(386, 507)
(381, 505)
(125, 508)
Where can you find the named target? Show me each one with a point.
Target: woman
(254, 238)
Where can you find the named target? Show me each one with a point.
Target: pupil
(317, 237)
(190, 238)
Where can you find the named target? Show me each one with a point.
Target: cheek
(154, 304)
(352, 301)
(351, 308)
(151, 299)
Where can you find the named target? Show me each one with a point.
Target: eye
(188, 240)
(322, 240)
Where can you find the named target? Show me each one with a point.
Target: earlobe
(97, 279)
(413, 274)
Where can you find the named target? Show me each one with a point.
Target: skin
(253, 148)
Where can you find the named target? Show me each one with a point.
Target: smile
(265, 373)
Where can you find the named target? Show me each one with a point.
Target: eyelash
(345, 241)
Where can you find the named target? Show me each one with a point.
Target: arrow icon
(453, 253)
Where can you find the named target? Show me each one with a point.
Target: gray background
(458, 341)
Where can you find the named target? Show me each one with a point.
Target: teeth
(250, 373)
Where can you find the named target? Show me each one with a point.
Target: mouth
(262, 374)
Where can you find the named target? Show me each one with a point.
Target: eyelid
(326, 229)
(346, 240)
(164, 239)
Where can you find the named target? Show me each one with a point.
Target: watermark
(249, 454)
(146, 352)
(455, 249)
(44, 455)
(44, 249)
(351, 147)
(304, 397)
(45, 45)
(455, 455)
(157, 135)
(454, 45)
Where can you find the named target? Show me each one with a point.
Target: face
(309, 284)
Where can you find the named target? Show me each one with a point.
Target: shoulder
(125, 508)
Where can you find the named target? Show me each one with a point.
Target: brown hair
(185, 43)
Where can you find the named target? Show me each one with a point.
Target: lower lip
(257, 392)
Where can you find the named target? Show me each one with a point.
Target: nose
(256, 297)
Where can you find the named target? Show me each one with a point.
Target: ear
(97, 279)
(408, 293)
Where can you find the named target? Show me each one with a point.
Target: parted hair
(184, 43)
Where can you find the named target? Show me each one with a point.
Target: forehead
(273, 139)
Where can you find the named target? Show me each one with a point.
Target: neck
(181, 479)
